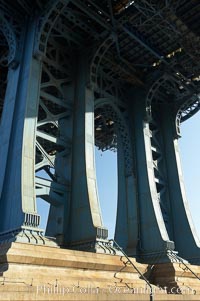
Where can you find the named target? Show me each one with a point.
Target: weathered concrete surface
(31, 272)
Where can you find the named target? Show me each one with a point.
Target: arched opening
(190, 146)
(111, 134)
(42, 206)
(106, 171)
(106, 165)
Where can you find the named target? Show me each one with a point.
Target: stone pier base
(31, 272)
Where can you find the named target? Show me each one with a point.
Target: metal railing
(179, 259)
(134, 266)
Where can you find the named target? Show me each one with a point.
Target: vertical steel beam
(126, 232)
(59, 214)
(186, 240)
(86, 225)
(6, 123)
(164, 216)
(153, 236)
(10, 95)
(18, 206)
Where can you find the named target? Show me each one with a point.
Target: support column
(86, 227)
(126, 233)
(17, 202)
(10, 93)
(6, 123)
(54, 138)
(153, 237)
(186, 240)
(60, 198)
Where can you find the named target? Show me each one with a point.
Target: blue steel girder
(55, 9)
(108, 87)
(10, 36)
(20, 104)
(160, 187)
(187, 110)
(53, 107)
(172, 23)
(11, 28)
(46, 23)
(75, 17)
(21, 7)
(159, 168)
(185, 97)
(97, 58)
(166, 83)
(177, 30)
(63, 134)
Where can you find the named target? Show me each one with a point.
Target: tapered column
(6, 123)
(126, 233)
(18, 203)
(112, 123)
(54, 139)
(59, 195)
(153, 235)
(86, 225)
(186, 240)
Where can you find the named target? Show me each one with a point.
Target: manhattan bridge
(121, 75)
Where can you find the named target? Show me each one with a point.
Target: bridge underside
(121, 75)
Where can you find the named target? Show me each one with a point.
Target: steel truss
(54, 108)
(131, 68)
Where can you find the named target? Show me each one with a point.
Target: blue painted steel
(153, 236)
(84, 203)
(9, 34)
(126, 232)
(47, 125)
(46, 22)
(184, 235)
(17, 202)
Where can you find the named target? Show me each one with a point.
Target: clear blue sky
(106, 168)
